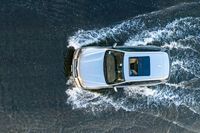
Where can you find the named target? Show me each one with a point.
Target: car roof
(158, 66)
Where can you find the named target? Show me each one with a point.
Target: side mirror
(115, 89)
(114, 45)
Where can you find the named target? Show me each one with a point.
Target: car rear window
(139, 66)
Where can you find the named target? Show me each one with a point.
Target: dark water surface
(34, 96)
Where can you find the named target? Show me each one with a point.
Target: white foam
(175, 45)
(172, 35)
(145, 91)
(181, 64)
(80, 98)
(82, 37)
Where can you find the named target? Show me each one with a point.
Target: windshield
(113, 66)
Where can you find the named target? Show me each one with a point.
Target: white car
(120, 66)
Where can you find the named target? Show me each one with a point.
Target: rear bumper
(170, 63)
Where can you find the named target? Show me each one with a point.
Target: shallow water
(36, 97)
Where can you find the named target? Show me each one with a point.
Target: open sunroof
(139, 66)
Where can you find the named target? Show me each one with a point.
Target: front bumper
(74, 68)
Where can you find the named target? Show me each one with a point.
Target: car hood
(91, 69)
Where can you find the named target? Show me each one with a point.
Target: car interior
(133, 66)
(114, 67)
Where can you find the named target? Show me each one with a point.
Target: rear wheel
(68, 60)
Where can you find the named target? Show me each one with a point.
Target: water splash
(181, 36)
(172, 35)
(174, 32)
(82, 37)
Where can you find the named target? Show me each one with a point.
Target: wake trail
(181, 35)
